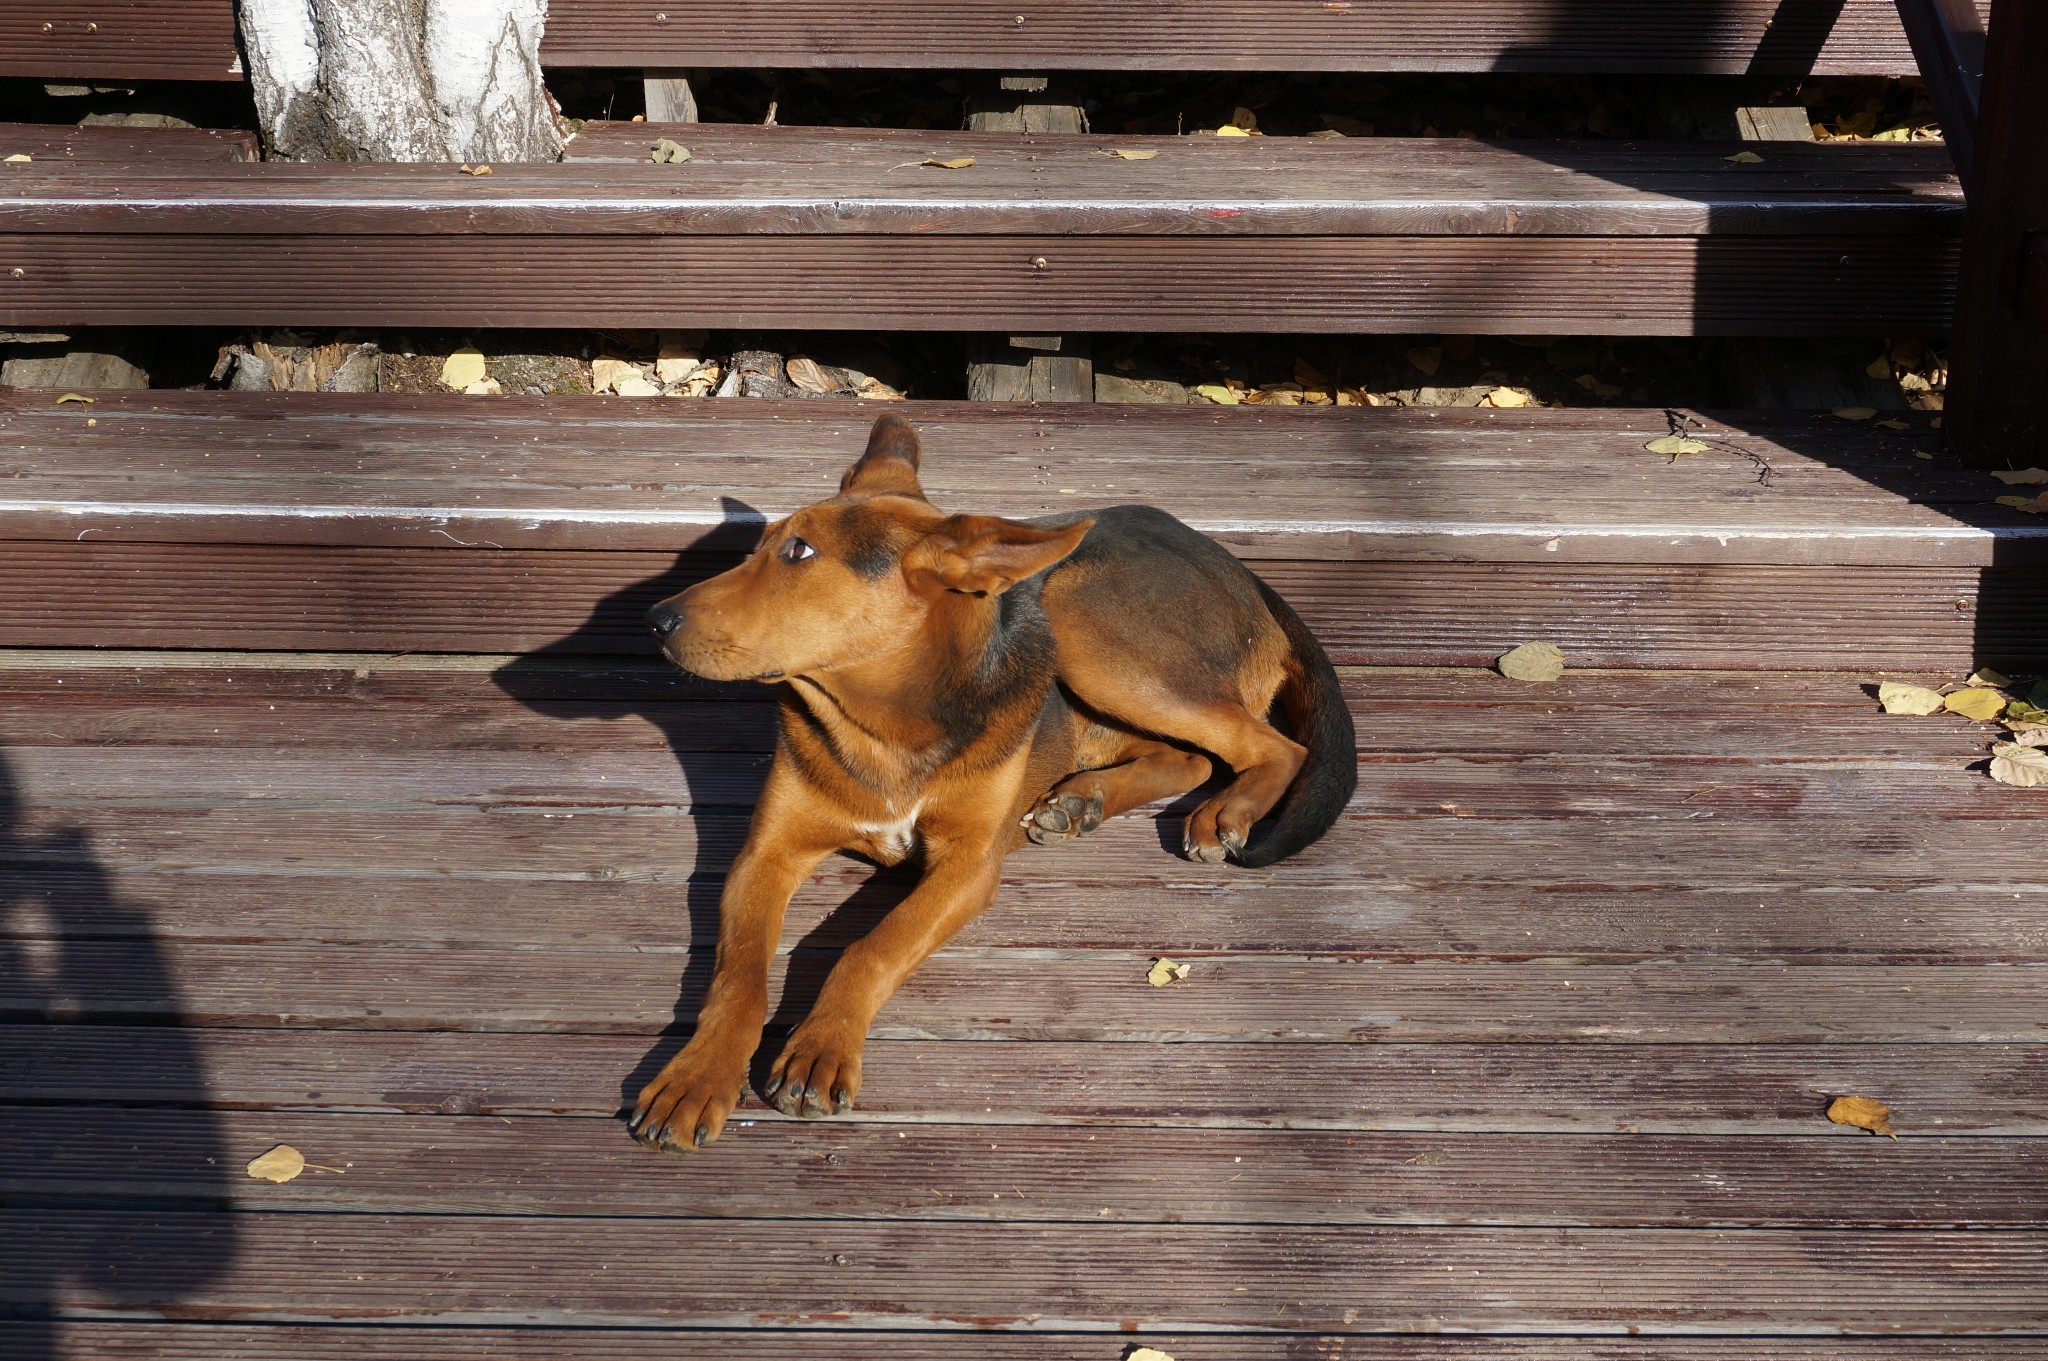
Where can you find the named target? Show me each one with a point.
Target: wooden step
(130, 147)
(834, 229)
(1405, 536)
(195, 39)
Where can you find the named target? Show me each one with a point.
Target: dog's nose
(664, 619)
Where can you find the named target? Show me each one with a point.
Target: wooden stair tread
(1542, 486)
(131, 148)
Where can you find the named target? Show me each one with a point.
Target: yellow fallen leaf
(2033, 505)
(462, 368)
(1922, 453)
(1675, 445)
(280, 1164)
(1216, 392)
(635, 385)
(1534, 663)
(1165, 972)
(484, 387)
(1880, 368)
(1978, 703)
(78, 397)
(666, 152)
(20, 158)
(1986, 676)
(2024, 767)
(1897, 697)
(1892, 425)
(957, 163)
(1863, 1112)
(1507, 397)
(476, 170)
(1132, 155)
(1231, 130)
(2024, 477)
(606, 373)
(1428, 358)
(1855, 413)
(1146, 1354)
(1745, 158)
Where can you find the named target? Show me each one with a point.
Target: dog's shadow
(582, 677)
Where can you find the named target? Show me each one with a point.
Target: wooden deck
(1535, 1046)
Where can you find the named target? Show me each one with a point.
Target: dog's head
(854, 578)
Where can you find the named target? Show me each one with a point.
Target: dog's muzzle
(664, 619)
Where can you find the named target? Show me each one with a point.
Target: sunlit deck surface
(1528, 1059)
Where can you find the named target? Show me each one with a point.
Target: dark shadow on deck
(72, 949)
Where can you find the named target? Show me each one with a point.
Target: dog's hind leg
(1133, 771)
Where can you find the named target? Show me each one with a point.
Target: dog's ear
(890, 463)
(987, 555)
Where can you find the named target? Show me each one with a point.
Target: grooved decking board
(1752, 36)
(480, 1165)
(130, 40)
(813, 1273)
(1049, 996)
(279, 1342)
(1807, 285)
(1394, 914)
(138, 149)
(1548, 487)
(1501, 1088)
(283, 597)
(803, 181)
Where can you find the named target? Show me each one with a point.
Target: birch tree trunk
(400, 80)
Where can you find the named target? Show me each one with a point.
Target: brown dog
(951, 684)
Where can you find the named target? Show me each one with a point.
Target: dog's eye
(796, 550)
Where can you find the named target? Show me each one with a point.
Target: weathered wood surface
(1735, 285)
(128, 147)
(134, 40)
(883, 1274)
(1546, 486)
(284, 1342)
(1758, 37)
(1715, 1089)
(531, 1166)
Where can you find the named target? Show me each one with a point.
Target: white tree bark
(400, 80)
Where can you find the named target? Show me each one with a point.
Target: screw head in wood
(17, 273)
(1040, 262)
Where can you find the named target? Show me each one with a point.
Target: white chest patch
(892, 841)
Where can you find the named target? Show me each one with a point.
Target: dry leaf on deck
(2024, 767)
(1863, 1112)
(1986, 676)
(20, 158)
(1745, 158)
(1216, 392)
(635, 385)
(2037, 505)
(666, 152)
(462, 368)
(476, 170)
(957, 163)
(1675, 445)
(1165, 972)
(1145, 1354)
(2024, 477)
(1507, 397)
(484, 387)
(1229, 130)
(78, 397)
(2036, 735)
(1534, 663)
(1855, 413)
(1123, 155)
(280, 1164)
(607, 373)
(1897, 697)
(1978, 703)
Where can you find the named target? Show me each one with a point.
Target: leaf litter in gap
(666, 152)
(1532, 663)
(2023, 767)
(1897, 697)
(1978, 703)
(1863, 1112)
(1165, 972)
(462, 368)
(1675, 445)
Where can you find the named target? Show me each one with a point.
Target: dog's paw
(1063, 815)
(818, 1073)
(686, 1106)
(1210, 835)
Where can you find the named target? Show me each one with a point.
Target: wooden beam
(1997, 409)
(1948, 43)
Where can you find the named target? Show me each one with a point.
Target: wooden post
(1997, 408)
(1028, 368)
(669, 97)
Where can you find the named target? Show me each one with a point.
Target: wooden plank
(135, 1341)
(1996, 411)
(1202, 1277)
(136, 40)
(136, 149)
(1945, 620)
(1805, 285)
(1758, 37)
(1480, 1088)
(1947, 37)
(1066, 995)
(530, 1166)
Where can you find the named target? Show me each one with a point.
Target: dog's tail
(1322, 722)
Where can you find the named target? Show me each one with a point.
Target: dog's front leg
(819, 1070)
(687, 1104)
